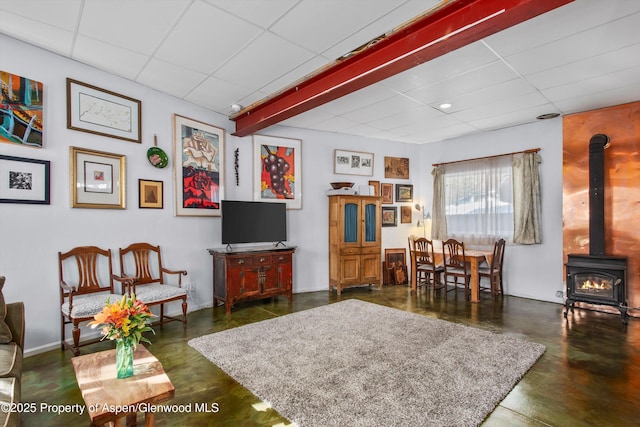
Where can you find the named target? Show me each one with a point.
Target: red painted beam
(454, 25)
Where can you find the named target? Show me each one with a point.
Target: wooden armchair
(427, 270)
(494, 270)
(86, 281)
(148, 281)
(455, 266)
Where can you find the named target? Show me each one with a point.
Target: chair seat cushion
(10, 360)
(88, 305)
(150, 294)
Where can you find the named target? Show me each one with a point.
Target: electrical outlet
(559, 294)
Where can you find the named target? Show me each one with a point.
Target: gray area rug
(355, 363)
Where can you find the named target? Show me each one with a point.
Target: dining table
(474, 257)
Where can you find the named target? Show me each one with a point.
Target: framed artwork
(376, 187)
(395, 261)
(405, 214)
(102, 112)
(396, 167)
(24, 180)
(150, 194)
(97, 179)
(277, 175)
(387, 193)
(404, 192)
(20, 110)
(389, 216)
(199, 167)
(352, 163)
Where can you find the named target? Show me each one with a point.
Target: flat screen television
(253, 222)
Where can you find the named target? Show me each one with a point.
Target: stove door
(593, 285)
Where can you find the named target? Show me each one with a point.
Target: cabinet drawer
(262, 260)
(241, 261)
(282, 258)
(371, 250)
(350, 250)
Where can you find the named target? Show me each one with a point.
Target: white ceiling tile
(607, 63)
(259, 12)
(308, 118)
(62, 14)
(295, 74)
(105, 21)
(326, 27)
(262, 61)
(593, 85)
(406, 117)
(169, 78)
(460, 61)
(385, 108)
(488, 95)
(116, 60)
(606, 98)
(205, 38)
(46, 36)
(358, 99)
(217, 95)
(502, 107)
(513, 118)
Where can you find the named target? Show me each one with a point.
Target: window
(478, 198)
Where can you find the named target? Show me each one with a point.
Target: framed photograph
(396, 167)
(97, 179)
(199, 167)
(24, 180)
(21, 110)
(405, 214)
(102, 112)
(404, 192)
(352, 163)
(150, 194)
(376, 187)
(277, 170)
(387, 193)
(389, 216)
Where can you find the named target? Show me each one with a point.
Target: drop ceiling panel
(362, 98)
(205, 38)
(517, 103)
(217, 94)
(261, 13)
(586, 102)
(107, 57)
(62, 14)
(594, 85)
(161, 76)
(262, 61)
(387, 107)
(318, 25)
(295, 74)
(46, 36)
(513, 118)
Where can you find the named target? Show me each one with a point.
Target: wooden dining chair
(86, 282)
(455, 266)
(148, 280)
(428, 273)
(494, 271)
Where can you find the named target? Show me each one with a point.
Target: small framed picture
(353, 163)
(386, 191)
(150, 194)
(24, 180)
(389, 216)
(97, 179)
(376, 187)
(404, 193)
(396, 167)
(405, 214)
(277, 174)
(102, 112)
(395, 261)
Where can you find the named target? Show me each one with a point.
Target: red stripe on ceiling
(454, 25)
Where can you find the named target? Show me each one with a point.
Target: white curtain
(478, 200)
(439, 221)
(526, 198)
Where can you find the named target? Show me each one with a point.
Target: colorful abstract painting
(278, 177)
(20, 110)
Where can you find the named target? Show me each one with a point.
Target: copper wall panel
(622, 186)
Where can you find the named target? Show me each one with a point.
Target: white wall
(531, 271)
(31, 235)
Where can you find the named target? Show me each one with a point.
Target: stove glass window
(593, 284)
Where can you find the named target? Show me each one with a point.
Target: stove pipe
(597, 145)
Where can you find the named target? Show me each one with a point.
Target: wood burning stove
(596, 278)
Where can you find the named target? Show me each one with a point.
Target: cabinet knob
(261, 259)
(281, 258)
(241, 261)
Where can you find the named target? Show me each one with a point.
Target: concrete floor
(589, 375)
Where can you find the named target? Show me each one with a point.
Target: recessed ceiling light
(445, 105)
(547, 116)
(235, 108)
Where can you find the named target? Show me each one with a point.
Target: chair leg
(62, 332)
(184, 313)
(76, 339)
(161, 313)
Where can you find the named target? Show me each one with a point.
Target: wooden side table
(109, 399)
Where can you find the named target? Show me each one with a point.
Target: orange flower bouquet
(124, 321)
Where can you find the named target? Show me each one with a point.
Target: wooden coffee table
(109, 399)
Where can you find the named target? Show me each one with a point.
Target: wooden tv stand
(251, 273)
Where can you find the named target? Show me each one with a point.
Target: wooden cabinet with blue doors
(355, 248)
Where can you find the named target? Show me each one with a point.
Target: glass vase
(124, 358)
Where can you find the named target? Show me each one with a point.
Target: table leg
(149, 419)
(475, 283)
(414, 274)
